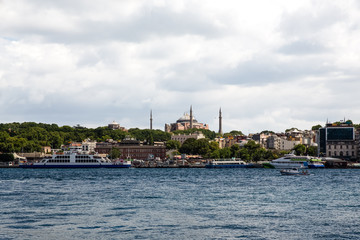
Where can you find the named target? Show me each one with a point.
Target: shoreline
(192, 166)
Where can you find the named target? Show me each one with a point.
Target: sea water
(178, 204)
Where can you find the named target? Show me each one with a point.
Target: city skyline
(267, 65)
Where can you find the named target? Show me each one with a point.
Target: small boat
(294, 171)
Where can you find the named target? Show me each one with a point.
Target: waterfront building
(88, 145)
(187, 121)
(338, 140)
(33, 156)
(76, 146)
(133, 150)
(46, 149)
(183, 137)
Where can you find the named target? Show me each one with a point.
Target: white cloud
(269, 64)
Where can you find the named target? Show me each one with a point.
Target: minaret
(220, 123)
(151, 119)
(191, 118)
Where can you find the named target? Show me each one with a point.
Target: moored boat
(76, 159)
(228, 163)
(315, 163)
(290, 161)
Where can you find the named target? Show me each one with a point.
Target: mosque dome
(114, 125)
(185, 118)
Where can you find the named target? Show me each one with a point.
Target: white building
(88, 145)
(221, 141)
(281, 143)
(261, 138)
(288, 144)
(182, 137)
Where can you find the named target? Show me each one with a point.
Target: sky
(269, 65)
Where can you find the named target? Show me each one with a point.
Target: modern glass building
(337, 141)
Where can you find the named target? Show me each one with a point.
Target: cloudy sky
(268, 64)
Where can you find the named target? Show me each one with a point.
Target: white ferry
(290, 161)
(232, 163)
(76, 159)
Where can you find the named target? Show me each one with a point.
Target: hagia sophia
(187, 121)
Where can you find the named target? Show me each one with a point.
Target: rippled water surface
(178, 204)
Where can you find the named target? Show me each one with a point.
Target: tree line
(31, 136)
(251, 151)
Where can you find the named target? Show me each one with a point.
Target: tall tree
(188, 146)
(114, 153)
(225, 152)
(316, 127)
(202, 147)
(173, 144)
(312, 151)
(300, 149)
(234, 150)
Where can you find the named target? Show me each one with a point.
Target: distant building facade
(281, 143)
(183, 137)
(285, 141)
(261, 138)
